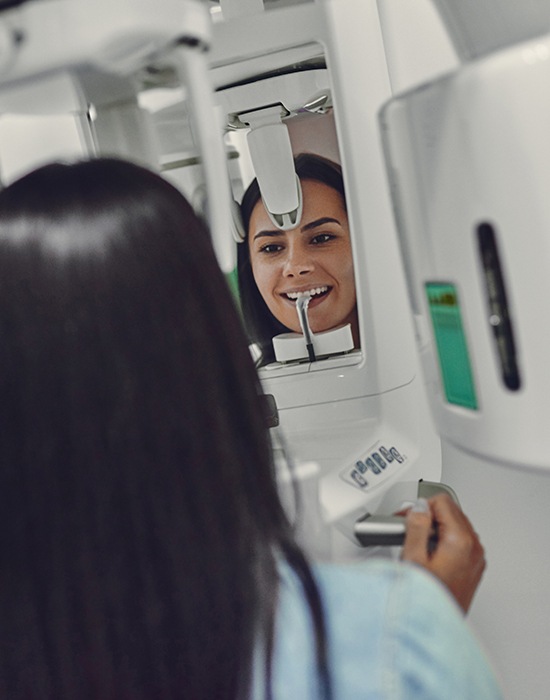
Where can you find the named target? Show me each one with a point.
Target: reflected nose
(298, 262)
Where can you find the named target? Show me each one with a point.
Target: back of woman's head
(136, 493)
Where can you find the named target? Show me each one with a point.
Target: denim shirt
(394, 632)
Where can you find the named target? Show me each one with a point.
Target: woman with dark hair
(144, 553)
(274, 266)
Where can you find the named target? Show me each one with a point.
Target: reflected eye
(271, 248)
(322, 238)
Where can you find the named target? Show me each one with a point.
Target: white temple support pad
(272, 157)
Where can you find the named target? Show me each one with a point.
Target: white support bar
(113, 35)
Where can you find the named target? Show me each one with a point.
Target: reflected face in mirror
(315, 257)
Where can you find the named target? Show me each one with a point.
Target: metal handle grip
(389, 530)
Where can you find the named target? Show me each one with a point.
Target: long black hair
(260, 324)
(139, 518)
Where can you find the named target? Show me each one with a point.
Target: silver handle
(380, 530)
(389, 530)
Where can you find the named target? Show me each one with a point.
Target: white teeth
(310, 292)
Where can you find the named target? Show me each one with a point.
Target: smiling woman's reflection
(315, 257)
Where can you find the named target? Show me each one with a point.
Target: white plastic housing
(289, 347)
(114, 35)
(472, 150)
(479, 28)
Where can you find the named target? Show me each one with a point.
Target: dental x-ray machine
(356, 423)
(468, 159)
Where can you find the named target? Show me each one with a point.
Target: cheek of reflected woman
(315, 257)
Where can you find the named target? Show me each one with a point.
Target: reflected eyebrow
(275, 232)
(319, 222)
(305, 227)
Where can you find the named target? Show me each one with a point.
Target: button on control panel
(369, 470)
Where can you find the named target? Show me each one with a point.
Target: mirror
(294, 278)
(295, 270)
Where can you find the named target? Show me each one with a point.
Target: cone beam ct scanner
(445, 172)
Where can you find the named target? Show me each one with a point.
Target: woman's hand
(458, 558)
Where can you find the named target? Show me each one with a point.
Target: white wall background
(29, 141)
(511, 612)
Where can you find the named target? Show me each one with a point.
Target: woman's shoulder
(394, 632)
(383, 584)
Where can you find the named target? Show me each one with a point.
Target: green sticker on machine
(452, 349)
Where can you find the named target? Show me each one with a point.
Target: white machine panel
(479, 28)
(468, 162)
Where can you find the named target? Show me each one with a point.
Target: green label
(452, 349)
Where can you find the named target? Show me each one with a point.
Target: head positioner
(271, 153)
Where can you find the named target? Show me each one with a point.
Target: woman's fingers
(458, 558)
(419, 529)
